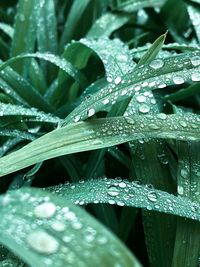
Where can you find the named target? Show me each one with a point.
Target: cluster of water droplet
(124, 193)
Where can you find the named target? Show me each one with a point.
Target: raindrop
(21, 18)
(129, 120)
(195, 61)
(117, 80)
(162, 116)
(42, 242)
(58, 226)
(152, 196)
(45, 210)
(122, 185)
(141, 98)
(113, 191)
(77, 118)
(91, 112)
(144, 108)
(178, 80)
(195, 77)
(106, 101)
(156, 64)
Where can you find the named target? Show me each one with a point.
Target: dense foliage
(99, 108)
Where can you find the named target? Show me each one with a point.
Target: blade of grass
(101, 133)
(187, 242)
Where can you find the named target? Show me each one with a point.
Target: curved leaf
(158, 74)
(52, 232)
(100, 133)
(123, 193)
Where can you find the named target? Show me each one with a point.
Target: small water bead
(113, 191)
(180, 190)
(195, 77)
(122, 185)
(156, 64)
(58, 226)
(106, 101)
(162, 116)
(109, 79)
(42, 242)
(22, 17)
(183, 123)
(124, 92)
(77, 118)
(195, 61)
(129, 120)
(144, 108)
(141, 98)
(45, 210)
(91, 112)
(178, 80)
(117, 80)
(152, 196)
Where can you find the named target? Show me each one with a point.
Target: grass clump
(99, 108)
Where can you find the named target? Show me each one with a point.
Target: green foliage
(99, 107)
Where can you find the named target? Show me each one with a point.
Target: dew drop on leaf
(45, 210)
(141, 98)
(156, 64)
(195, 61)
(91, 112)
(178, 80)
(113, 191)
(144, 108)
(118, 80)
(195, 77)
(152, 196)
(42, 242)
(58, 226)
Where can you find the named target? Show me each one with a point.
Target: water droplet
(195, 61)
(162, 116)
(178, 80)
(152, 196)
(91, 112)
(77, 118)
(109, 79)
(180, 190)
(113, 191)
(58, 226)
(21, 17)
(183, 123)
(122, 185)
(129, 120)
(118, 80)
(106, 101)
(144, 108)
(45, 210)
(141, 98)
(156, 64)
(42, 242)
(195, 77)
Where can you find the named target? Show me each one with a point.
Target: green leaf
(100, 133)
(77, 9)
(14, 110)
(56, 60)
(134, 5)
(123, 193)
(187, 241)
(53, 232)
(6, 28)
(158, 74)
(152, 51)
(24, 30)
(100, 27)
